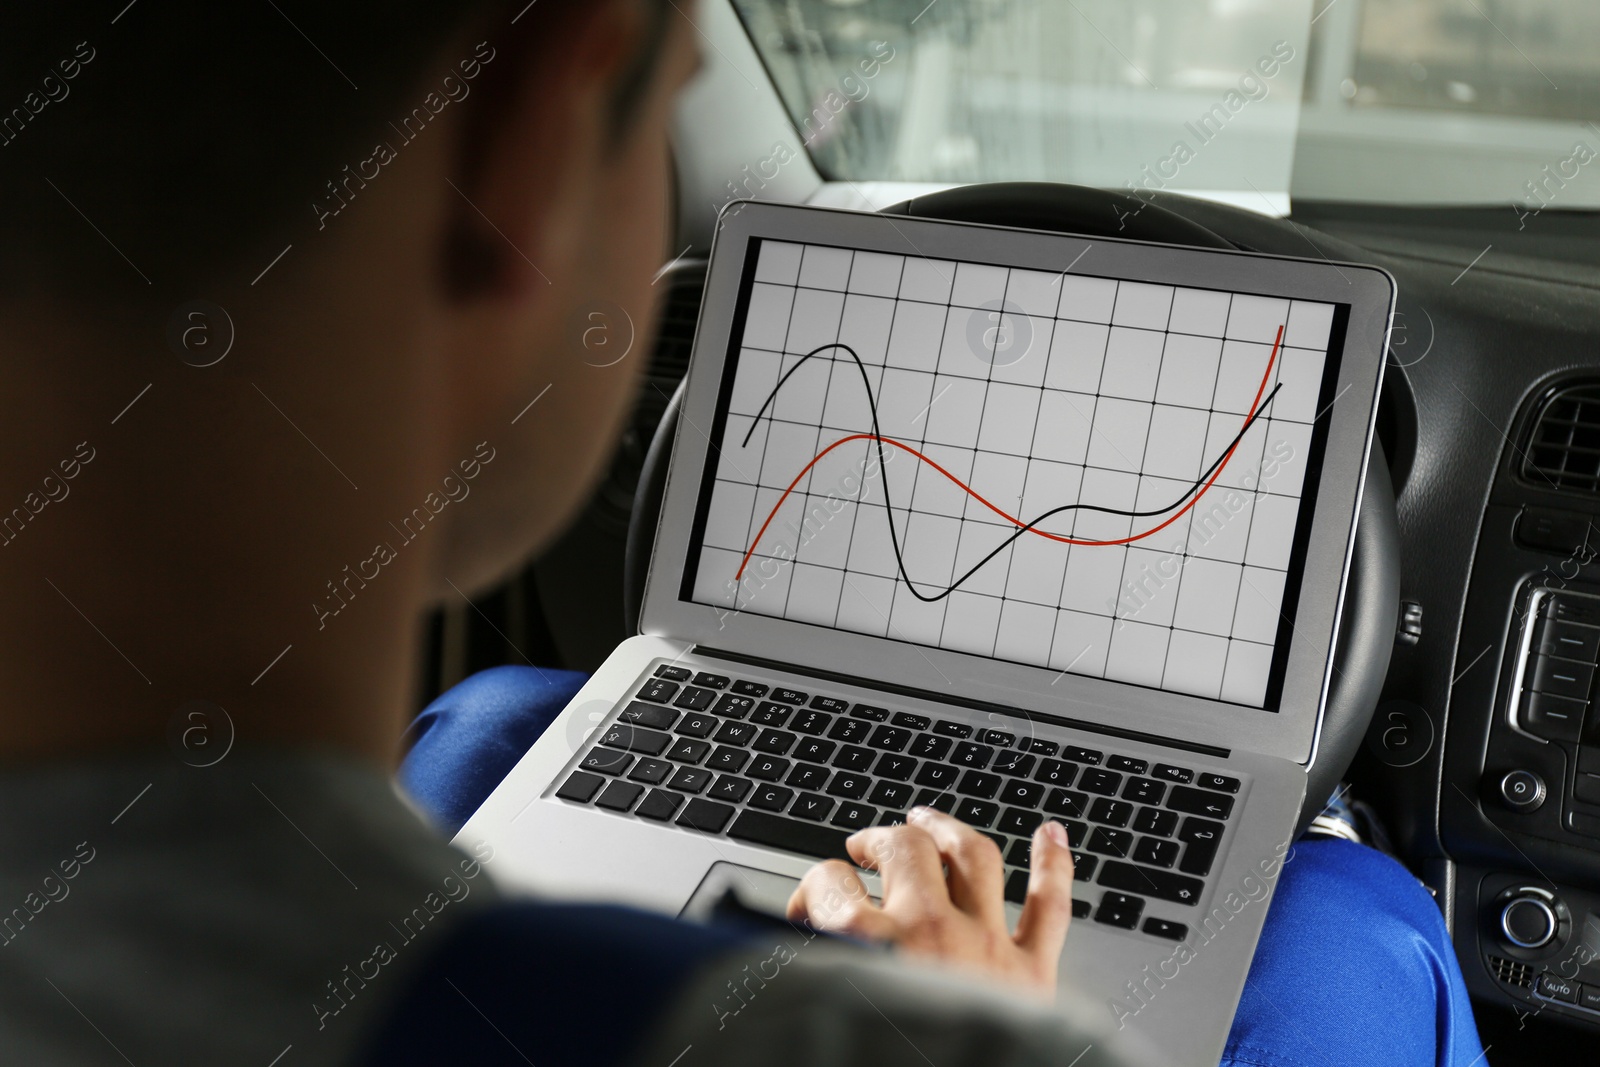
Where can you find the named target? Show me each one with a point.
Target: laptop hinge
(965, 702)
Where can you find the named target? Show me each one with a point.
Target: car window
(1251, 101)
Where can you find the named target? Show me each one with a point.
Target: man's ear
(527, 151)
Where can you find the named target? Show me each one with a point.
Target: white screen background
(1036, 390)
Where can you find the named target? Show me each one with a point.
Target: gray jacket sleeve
(820, 1003)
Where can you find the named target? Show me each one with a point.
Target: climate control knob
(1522, 791)
(1528, 921)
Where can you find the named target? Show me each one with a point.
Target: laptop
(1019, 525)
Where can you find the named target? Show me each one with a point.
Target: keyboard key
(1119, 909)
(892, 794)
(1021, 794)
(952, 729)
(619, 796)
(732, 706)
(696, 725)
(688, 750)
(606, 761)
(999, 738)
(1126, 763)
(660, 805)
(937, 776)
(854, 816)
(705, 815)
(690, 779)
(1017, 887)
(759, 828)
(897, 767)
(1056, 772)
(850, 731)
(1199, 802)
(1110, 812)
(775, 742)
(1111, 842)
(811, 722)
(636, 739)
(1041, 748)
(1168, 773)
(695, 699)
(910, 721)
(1163, 885)
(1021, 854)
(1094, 780)
(728, 759)
(1080, 908)
(848, 785)
(749, 689)
(833, 704)
(1082, 755)
(580, 787)
(711, 681)
(789, 696)
(1220, 782)
(970, 754)
(771, 797)
(768, 713)
(658, 690)
(768, 768)
(736, 733)
(1201, 840)
(1083, 866)
(1144, 790)
(979, 784)
(814, 750)
(1066, 802)
(867, 711)
(1156, 821)
(807, 776)
(811, 806)
(938, 800)
(1165, 928)
(1016, 763)
(853, 758)
(731, 789)
(650, 771)
(1155, 852)
(672, 674)
(654, 716)
(890, 738)
(1019, 822)
(979, 813)
(926, 746)
(1077, 832)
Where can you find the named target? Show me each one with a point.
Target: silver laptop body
(907, 450)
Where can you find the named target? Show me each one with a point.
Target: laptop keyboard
(801, 771)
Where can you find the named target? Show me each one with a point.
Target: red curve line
(1262, 388)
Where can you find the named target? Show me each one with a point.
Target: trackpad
(733, 885)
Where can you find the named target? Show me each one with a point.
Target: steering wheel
(1372, 593)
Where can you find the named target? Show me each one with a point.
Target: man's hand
(957, 918)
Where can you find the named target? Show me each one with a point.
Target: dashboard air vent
(1564, 448)
(1511, 972)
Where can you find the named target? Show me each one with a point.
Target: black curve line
(894, 539)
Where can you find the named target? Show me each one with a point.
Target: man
(287, 294)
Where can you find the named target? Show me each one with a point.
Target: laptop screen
(1081, 473)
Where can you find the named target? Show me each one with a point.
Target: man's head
(402, 218)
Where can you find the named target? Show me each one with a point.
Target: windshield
(1248, 101)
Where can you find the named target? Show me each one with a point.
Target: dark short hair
(163, 144)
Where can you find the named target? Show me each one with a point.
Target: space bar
(807, 839)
